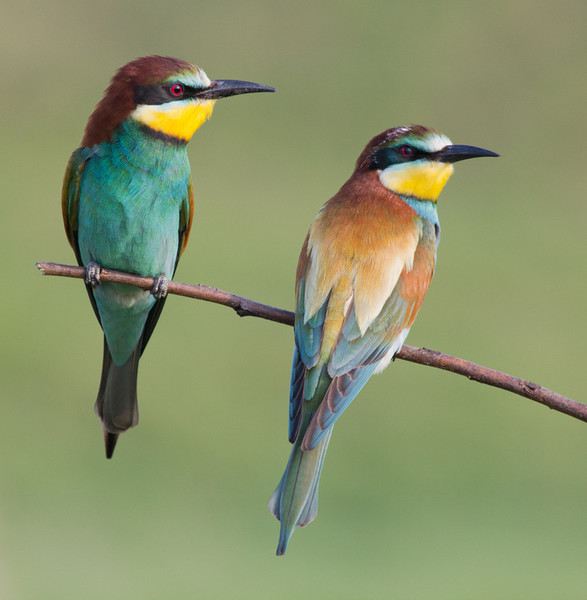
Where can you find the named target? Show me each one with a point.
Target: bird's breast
(369, 241)
(129, 216)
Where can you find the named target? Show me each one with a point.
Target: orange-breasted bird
(128, 205)
(362, 275)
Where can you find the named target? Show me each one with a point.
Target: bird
(362, 274)
(127, 204)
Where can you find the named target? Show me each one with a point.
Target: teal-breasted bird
(128, 205)
(362, 275)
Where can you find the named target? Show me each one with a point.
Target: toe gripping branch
(160, 287)
(92, 276)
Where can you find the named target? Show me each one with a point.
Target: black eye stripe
(396, 155)
(160, 94)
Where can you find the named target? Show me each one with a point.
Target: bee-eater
(362, 275)
(128, 205)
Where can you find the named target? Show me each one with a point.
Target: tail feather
(295, 500)
(110, 440)
(116, 404)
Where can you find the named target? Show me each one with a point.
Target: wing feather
(365, 340)
(70, 208)
(70, 198)
(186, 217)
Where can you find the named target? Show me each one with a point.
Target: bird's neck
(427, 209)
(146, 149)
(367, 185)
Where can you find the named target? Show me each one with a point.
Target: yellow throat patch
(423, 180)
(179, 119)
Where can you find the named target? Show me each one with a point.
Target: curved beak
(455, 152)
(222, 88)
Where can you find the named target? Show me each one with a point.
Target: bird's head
(415, 161)
(170, 96)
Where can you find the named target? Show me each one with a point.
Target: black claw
(159, 289)
(93, 270)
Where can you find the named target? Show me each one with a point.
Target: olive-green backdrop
(434, 486)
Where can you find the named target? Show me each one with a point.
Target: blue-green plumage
(127, 205)
(132, 205)
(132, 193)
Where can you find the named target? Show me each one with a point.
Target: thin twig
(245, 307)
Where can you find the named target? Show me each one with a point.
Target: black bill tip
(223, 88)
(456, 152)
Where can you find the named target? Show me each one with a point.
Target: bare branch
(245, 307)
(242, 306)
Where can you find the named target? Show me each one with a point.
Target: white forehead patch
(433, 142)
(196, 78)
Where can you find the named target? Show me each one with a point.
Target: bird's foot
(93, 270)
(160, 287)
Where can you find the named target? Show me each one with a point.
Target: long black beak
(454, 153)
(222, 88)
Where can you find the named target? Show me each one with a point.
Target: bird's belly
(123, 312)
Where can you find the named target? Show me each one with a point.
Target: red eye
(406, 151)
(176, 89)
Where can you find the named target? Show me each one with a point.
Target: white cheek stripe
(144, 112)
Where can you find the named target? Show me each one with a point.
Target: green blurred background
(434, 486)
